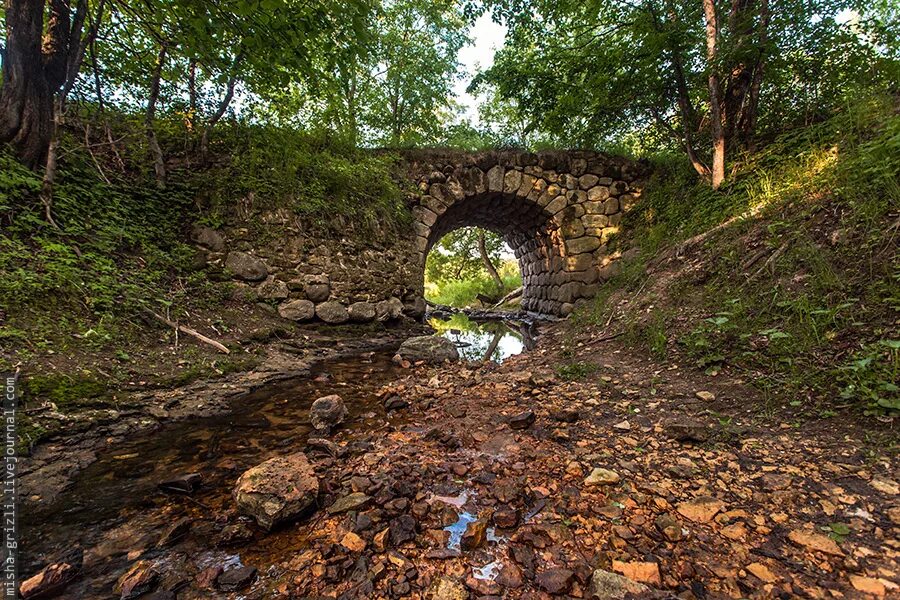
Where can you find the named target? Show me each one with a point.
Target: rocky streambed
(474, 479)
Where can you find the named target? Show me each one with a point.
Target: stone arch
(556, 210)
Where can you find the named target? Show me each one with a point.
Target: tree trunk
(482, 250)
(220, 111)
(747, 124)
(159, 163)
(715, 104)
(26, 99)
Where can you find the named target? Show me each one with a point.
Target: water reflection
(487, 340)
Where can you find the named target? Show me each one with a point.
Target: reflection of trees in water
(489, 340)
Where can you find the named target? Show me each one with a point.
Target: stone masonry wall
(337, 280)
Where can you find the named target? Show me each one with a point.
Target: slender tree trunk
(159, 163)
(220, 111)
(715, 104)
(748, 118)
(486, 259)
(192, 95)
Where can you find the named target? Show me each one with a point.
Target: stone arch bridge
(556, 210)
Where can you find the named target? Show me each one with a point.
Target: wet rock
(327, 413)
(523, 420)
(245, 266)
(237, 579)
(565, 415)
(601, 476)
(701, 509)
(361, 312)
(475, 535)
(687, 430)
(670, 527)
(140, 579)
(208, 238)
(317, 288)
(428, 348)
(332, 312)
(612, 586)
(278, 490)
(506, 518)
(353, 542)
(53, 579)
(236, 533)
(175, 533)
(354, 501)
(403, 529)
(483, 587)
(395, 403)
(206, 579)
(297, 310)
(185, 484)
(510, 575)
(324, 446)
(447, 588)
(642, 572)
(555, 581)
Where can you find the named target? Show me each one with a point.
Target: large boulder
(245, 266)
(428, 348)
(361, 312)
(278, 490)
(388, 310)
(332, 312)
(297, 310)
(317, 288)
(327, 413)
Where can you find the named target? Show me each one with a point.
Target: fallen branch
(513, 294)
(191, 332)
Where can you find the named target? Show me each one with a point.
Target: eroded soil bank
(517, 480)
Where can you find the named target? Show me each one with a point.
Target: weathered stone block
(245, 266)
(511, 181)
(332, 312)
(594, 220)
(588, 181)
(361, 312)
(273, 289)
(598, 193)
(582, 244)
(297, 310)
(556, 205)
(495, 177)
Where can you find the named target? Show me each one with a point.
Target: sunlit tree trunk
(715, 104)
(486, 259)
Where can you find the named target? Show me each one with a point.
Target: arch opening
(531, 234)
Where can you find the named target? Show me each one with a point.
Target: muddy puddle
(486, 340)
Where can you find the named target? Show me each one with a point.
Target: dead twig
(191, 332)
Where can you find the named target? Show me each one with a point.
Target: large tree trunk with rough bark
(26, 98)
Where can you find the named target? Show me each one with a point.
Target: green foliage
(333, 186)
(464, 293)
(576, 370)
(66, 391)
(816, 205)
